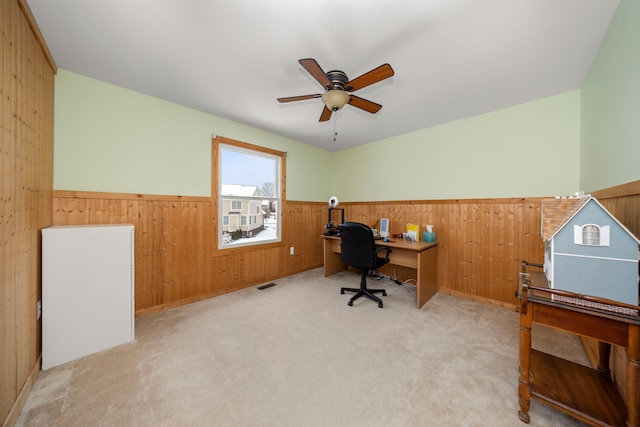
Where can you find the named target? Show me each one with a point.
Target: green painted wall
(529, 150)
(111, 139)
(610, 146)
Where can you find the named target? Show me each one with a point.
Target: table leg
(604, 351)
(633, 377)
(426, 275)
(524, 383)
(332, 260)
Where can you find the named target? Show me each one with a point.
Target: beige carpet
(296, 355)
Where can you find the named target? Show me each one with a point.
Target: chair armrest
(383, 248)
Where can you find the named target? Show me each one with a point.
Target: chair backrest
(358, 248)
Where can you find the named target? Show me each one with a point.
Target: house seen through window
(249, 195)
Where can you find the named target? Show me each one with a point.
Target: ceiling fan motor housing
(338, 79)
(336, 97)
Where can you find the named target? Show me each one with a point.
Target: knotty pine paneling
(176, 258)
(623, 202)
(481, 242)
(172, 239)
(26, 183)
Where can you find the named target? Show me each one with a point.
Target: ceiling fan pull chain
(335, 119)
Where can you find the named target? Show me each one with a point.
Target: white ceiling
(232, 58)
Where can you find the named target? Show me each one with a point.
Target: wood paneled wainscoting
(623, 202)
(176, 255)
(481, 243)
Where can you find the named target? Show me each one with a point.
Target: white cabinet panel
(87, 290)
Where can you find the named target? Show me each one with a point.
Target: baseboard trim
(484, 300)
(179, 303)
(14, 413)
(175, 304)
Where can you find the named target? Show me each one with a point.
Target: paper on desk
(413, 230)
(411, 236)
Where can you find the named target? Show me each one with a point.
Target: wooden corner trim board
(26, 10)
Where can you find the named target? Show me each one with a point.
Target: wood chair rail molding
(624, 190)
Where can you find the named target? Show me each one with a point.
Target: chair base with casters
(358, 249)
(364, 291)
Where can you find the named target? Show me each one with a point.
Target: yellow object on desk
(413, 230)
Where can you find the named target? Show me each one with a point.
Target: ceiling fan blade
(316, 72)
(326, 114)
(299, 98)
(374, 76)
(364, 104)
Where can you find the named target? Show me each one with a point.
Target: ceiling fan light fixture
(335, 99)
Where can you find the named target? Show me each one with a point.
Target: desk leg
(524, 383)
(633, 377)
(426, 277)
(332, 260)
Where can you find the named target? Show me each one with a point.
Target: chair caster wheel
(380, 305)
(350, 304)
(342, 291)
(384, 294)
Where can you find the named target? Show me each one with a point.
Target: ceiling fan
(336, 85)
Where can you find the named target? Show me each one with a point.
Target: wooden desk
(419, 255)
(584, 393)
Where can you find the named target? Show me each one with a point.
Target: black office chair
(358, 249)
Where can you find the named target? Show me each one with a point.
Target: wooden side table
(583, 393)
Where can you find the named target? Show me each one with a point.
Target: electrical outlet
(39, 310)
(291, 250)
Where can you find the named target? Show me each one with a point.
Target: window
(249, 193)
(591, 235)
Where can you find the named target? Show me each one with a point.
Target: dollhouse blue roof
(556, 213)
